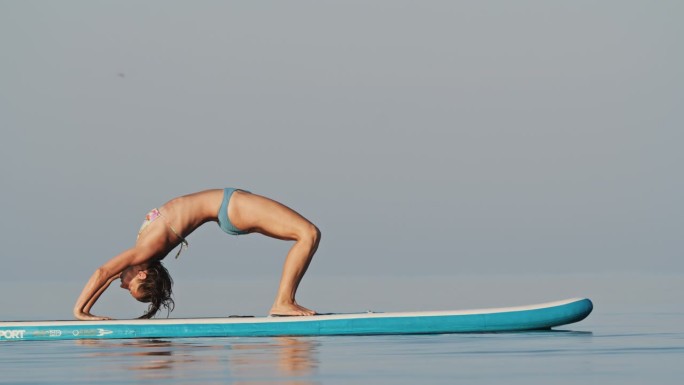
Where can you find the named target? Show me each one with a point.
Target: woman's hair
(156, 290)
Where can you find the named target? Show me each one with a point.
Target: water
(625, 348)
(634, 336)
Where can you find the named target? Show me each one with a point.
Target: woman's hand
(89, 317)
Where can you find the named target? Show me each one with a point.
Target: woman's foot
(290, 309)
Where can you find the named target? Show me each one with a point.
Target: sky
(424, 138)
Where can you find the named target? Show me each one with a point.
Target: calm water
(617, 347)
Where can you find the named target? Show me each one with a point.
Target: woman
(237, 212)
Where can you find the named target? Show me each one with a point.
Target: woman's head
(151, 284)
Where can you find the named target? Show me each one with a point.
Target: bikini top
(154, 214)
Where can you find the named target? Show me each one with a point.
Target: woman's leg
(266, 216)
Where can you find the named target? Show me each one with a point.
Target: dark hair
(156, 290)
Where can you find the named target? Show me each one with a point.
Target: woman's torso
(179, 218)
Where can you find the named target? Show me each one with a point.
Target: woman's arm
(95, 297)
(99, 282)
(96, 285)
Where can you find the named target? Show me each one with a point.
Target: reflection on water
(288, 360)
(618, 348)
(289, 356)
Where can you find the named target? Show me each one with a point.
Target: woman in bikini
(237, 212)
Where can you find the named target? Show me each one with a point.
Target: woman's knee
(310, 234)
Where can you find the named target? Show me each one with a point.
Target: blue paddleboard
(508, 319)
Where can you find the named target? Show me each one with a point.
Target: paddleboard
(508, 319)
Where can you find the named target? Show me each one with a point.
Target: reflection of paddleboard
(532, 317)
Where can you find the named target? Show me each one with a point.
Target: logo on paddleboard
(91, 333)
(47, 333)
(12, 334)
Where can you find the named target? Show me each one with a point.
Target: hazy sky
(422, 137)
